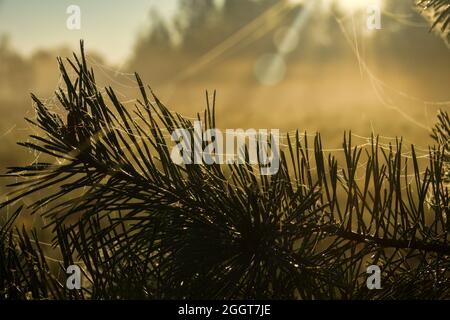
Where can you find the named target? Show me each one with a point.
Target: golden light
(355, 5)
(344, 5)
(295, 2)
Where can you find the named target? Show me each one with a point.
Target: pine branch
(148, 228)
(437, 12)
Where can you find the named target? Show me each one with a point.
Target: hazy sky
(108, 26)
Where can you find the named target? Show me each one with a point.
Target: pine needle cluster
(140, 226)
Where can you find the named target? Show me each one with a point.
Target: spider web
(245, 37)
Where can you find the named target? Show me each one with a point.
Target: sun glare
(354, 5)
(344, 5)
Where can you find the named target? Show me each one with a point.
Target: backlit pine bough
(437, 12)
(141, 226)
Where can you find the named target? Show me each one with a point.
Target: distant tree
(15, 77)
(198, 26)
(153, 48)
